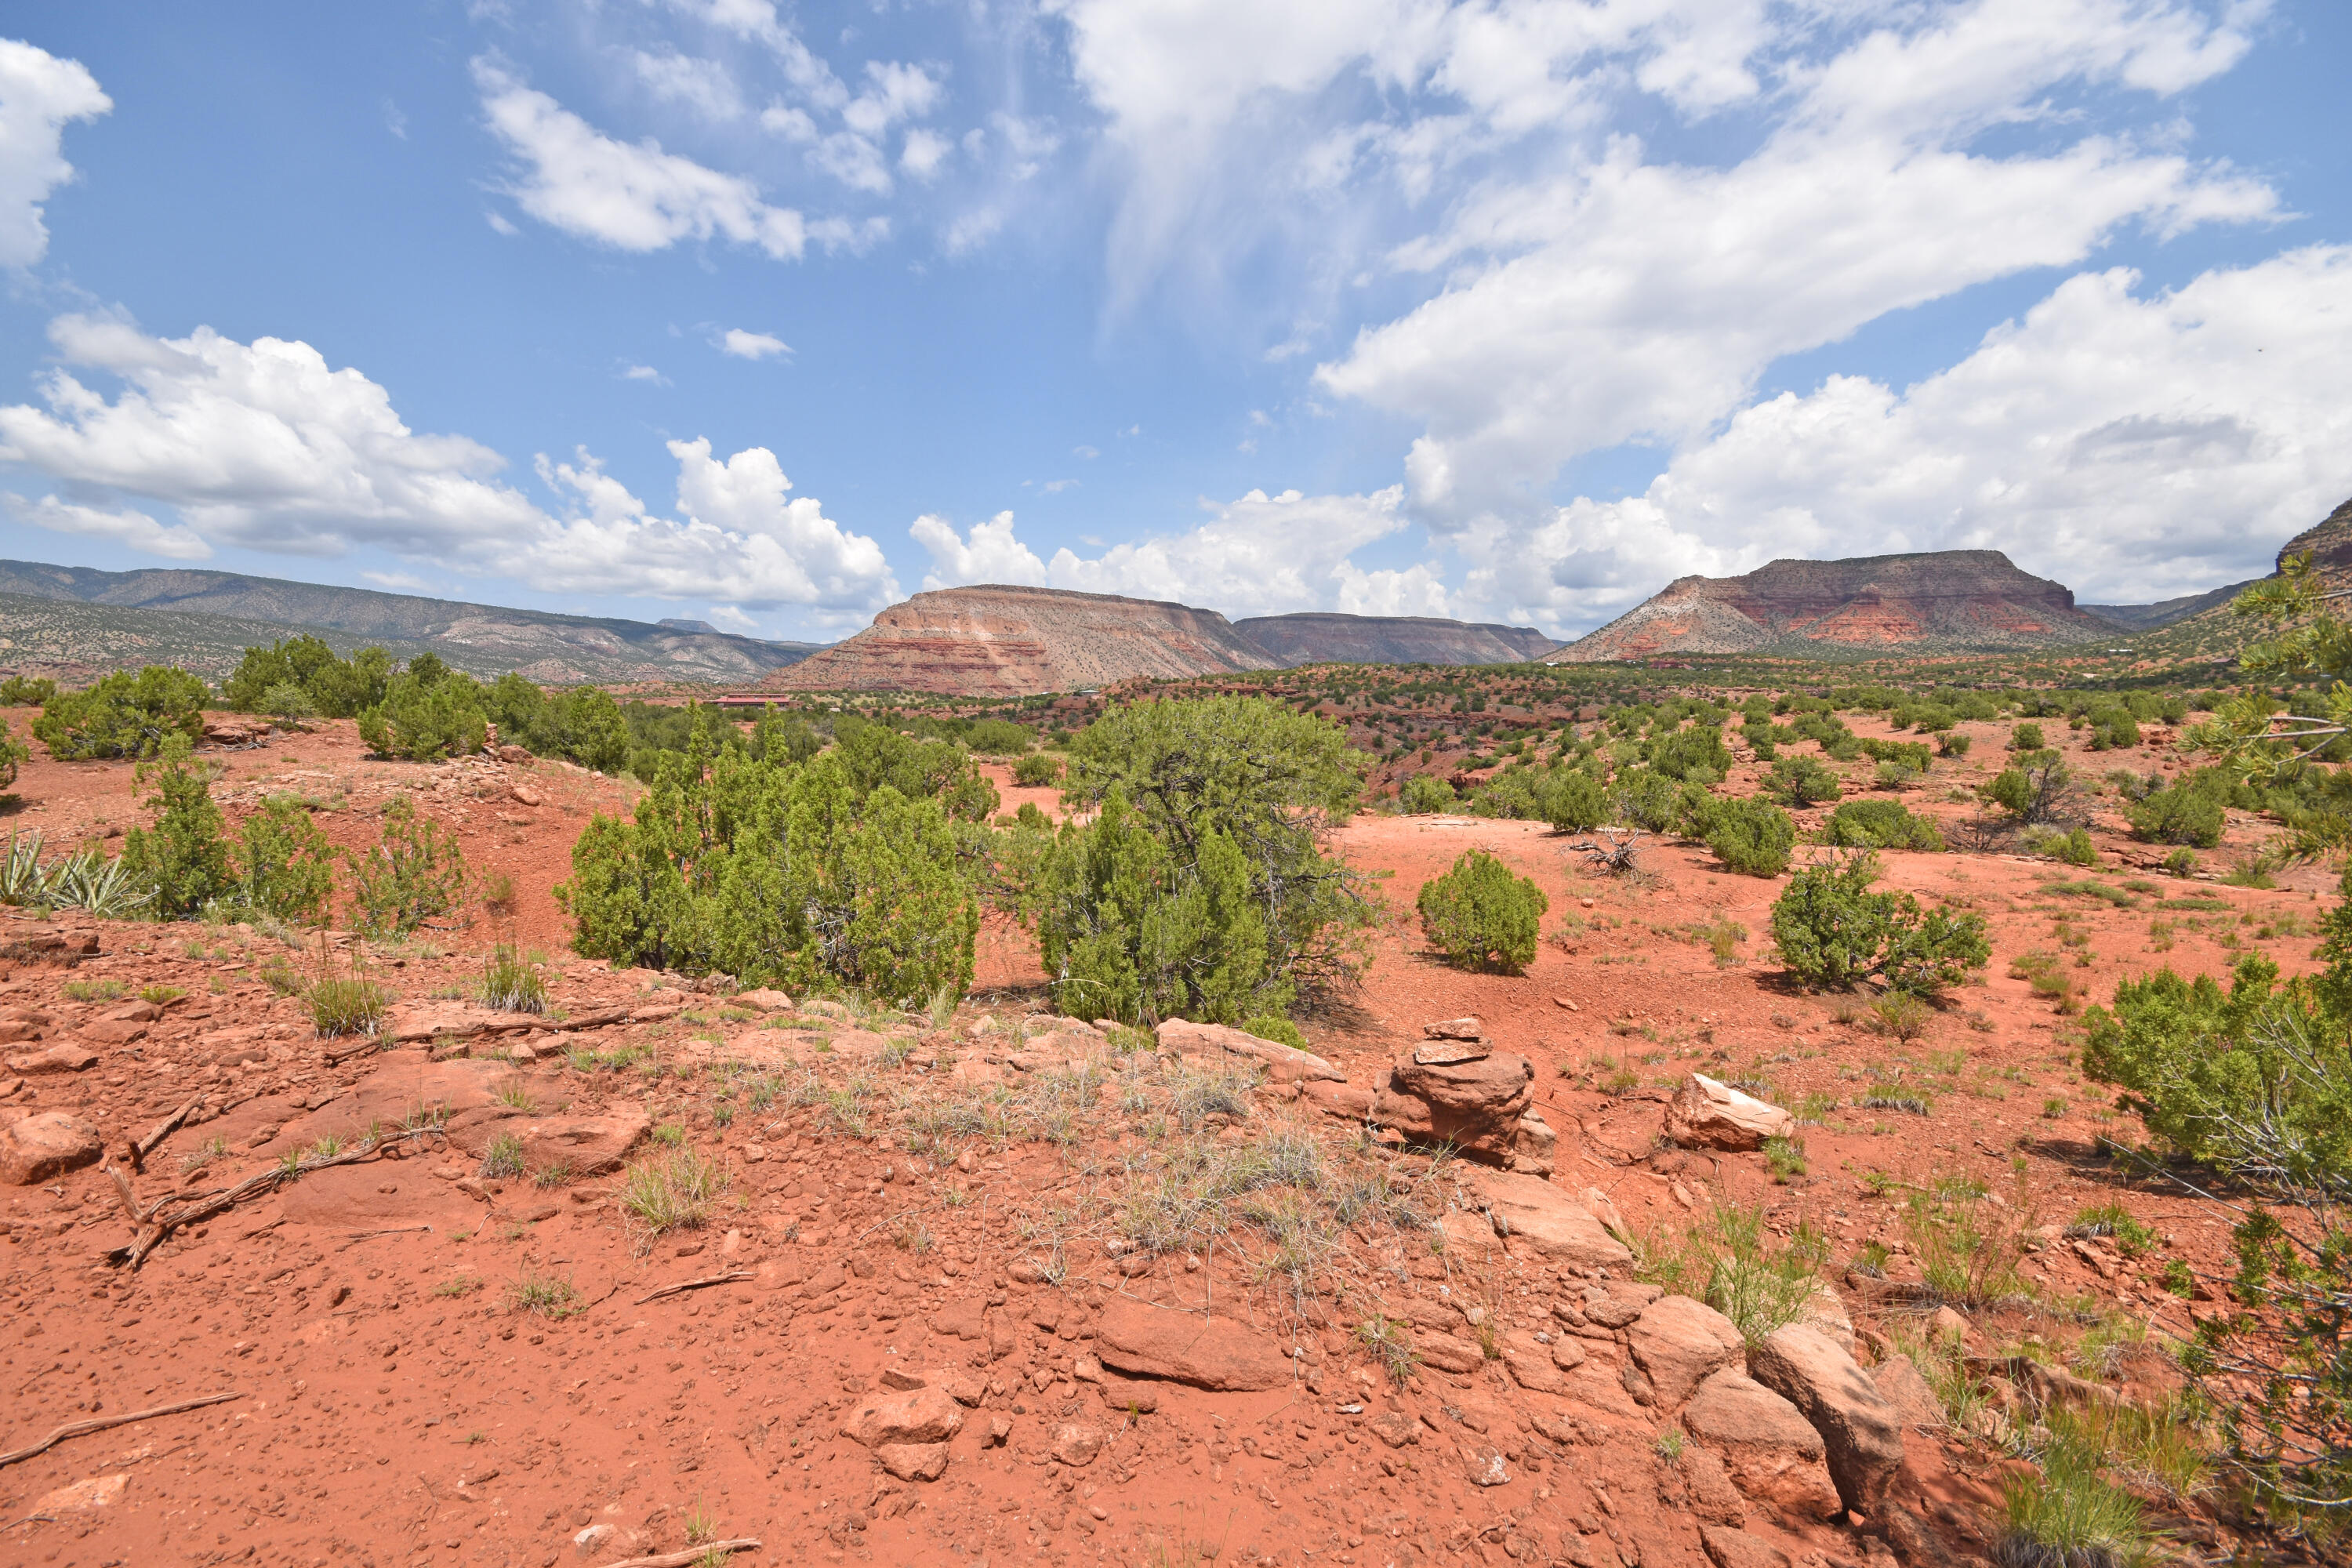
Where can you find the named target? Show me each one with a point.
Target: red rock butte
(995, 640)
(1939, 602)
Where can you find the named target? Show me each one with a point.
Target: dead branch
(687, 1558)
(360, 1044)
(371, 1235)
(100, 1423)
(161, 1131)
(733, 1275)
(155, 1223)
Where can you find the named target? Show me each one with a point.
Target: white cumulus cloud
(40, 95)
(126, 526)
(629, 195)
(2133, 445)
(990, 555)
(264, 446)
(742, 345)
(1257, 555)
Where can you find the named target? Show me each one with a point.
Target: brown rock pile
(1462, 1092)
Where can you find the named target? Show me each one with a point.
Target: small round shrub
(1481, 916)
(1424, 793)
(1037, 770)
(1752, 837)
(1275, 1027)
(1800, 781)
(1880, 825)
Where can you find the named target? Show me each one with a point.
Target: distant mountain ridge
(1327, 638)
(556, 650)
(1934, 601)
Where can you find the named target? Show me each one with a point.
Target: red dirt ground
(395, 1407)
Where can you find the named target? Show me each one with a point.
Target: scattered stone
(523, 794)
(1676, 1344)
(139, 1011)
(47, 1145)
(917, 1415)
(1076, 1444)
(1737, 1548)
(1597, 1204)
(590, 1542)
(1707, 1114)
(899, 1378)
(1087, 1369)
(913, 1461)
(1447, 1354)
(1395, 1428)
(1025, 1271)
(1862, 1431)
(1711, 1495)
(1771, 1451)
(1532, 1367)
(1216, 1353)
(764, 999)
(999, 1427)
(1947, 1324)
(56, 1059)
(1566, 1353)
(1546, 1221)
(1488, 1469)
(86, 1496)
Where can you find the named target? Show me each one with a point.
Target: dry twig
(732, 1276)
(155, 1223)
(161, 1131)
(100, 1423)
(687, 1558)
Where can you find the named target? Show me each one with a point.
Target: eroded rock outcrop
(1478, 1100)
(1862, 1432)
(1707, 1114)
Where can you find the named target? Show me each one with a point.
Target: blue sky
(1510, 310)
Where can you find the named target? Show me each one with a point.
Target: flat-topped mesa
(1944, 601)
(996, 640)
(1321, 637)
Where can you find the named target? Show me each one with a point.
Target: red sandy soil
(395, 1405)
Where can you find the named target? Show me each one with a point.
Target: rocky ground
(1001, 1286)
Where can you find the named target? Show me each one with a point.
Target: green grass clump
(511, 983)
(545, 1295)
(504, 1157)
(347, 1005)
(672, 1191)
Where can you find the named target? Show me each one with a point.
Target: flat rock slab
(56, 1059)
(378, 1195)
(1451, 1053)
(1223, 1354)
(1548, 1222)
(1863, 1432)
(580, 1145)
(403, 1084)
(1283, 1064)
(35, 1148)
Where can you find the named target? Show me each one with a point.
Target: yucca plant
(107, 889)
(22, 878)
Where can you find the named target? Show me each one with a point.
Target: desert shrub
(1037, 770)
(1481, 915)
(2036, 787)
(1750, 836)
(581, 724)
(1831, 930)
(1571, 800)
(14, 754)
(1424, 795)
(126, 714)
(785, 738)
(2073, 845)
(1952, 744)
(1697, 753)
(27, 691)
(817, 873)
(998, 737)
(346, 1004)
(1908, 756)
(1273, 1026)
(426, 715)
(2113, 728)
(1734, 1264)
(1880, 825)
(2186, 812)
(1646, 800)
(415, 872)
(336, 686)
(2181, 863)
(1235, 795)
(1800, 781)
(2026, 737)
(284, 863)
(184, 857)
(512, 703)
(288, 703)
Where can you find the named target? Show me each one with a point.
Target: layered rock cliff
(1945, 601)
(1328, 639)
(1001, 641)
